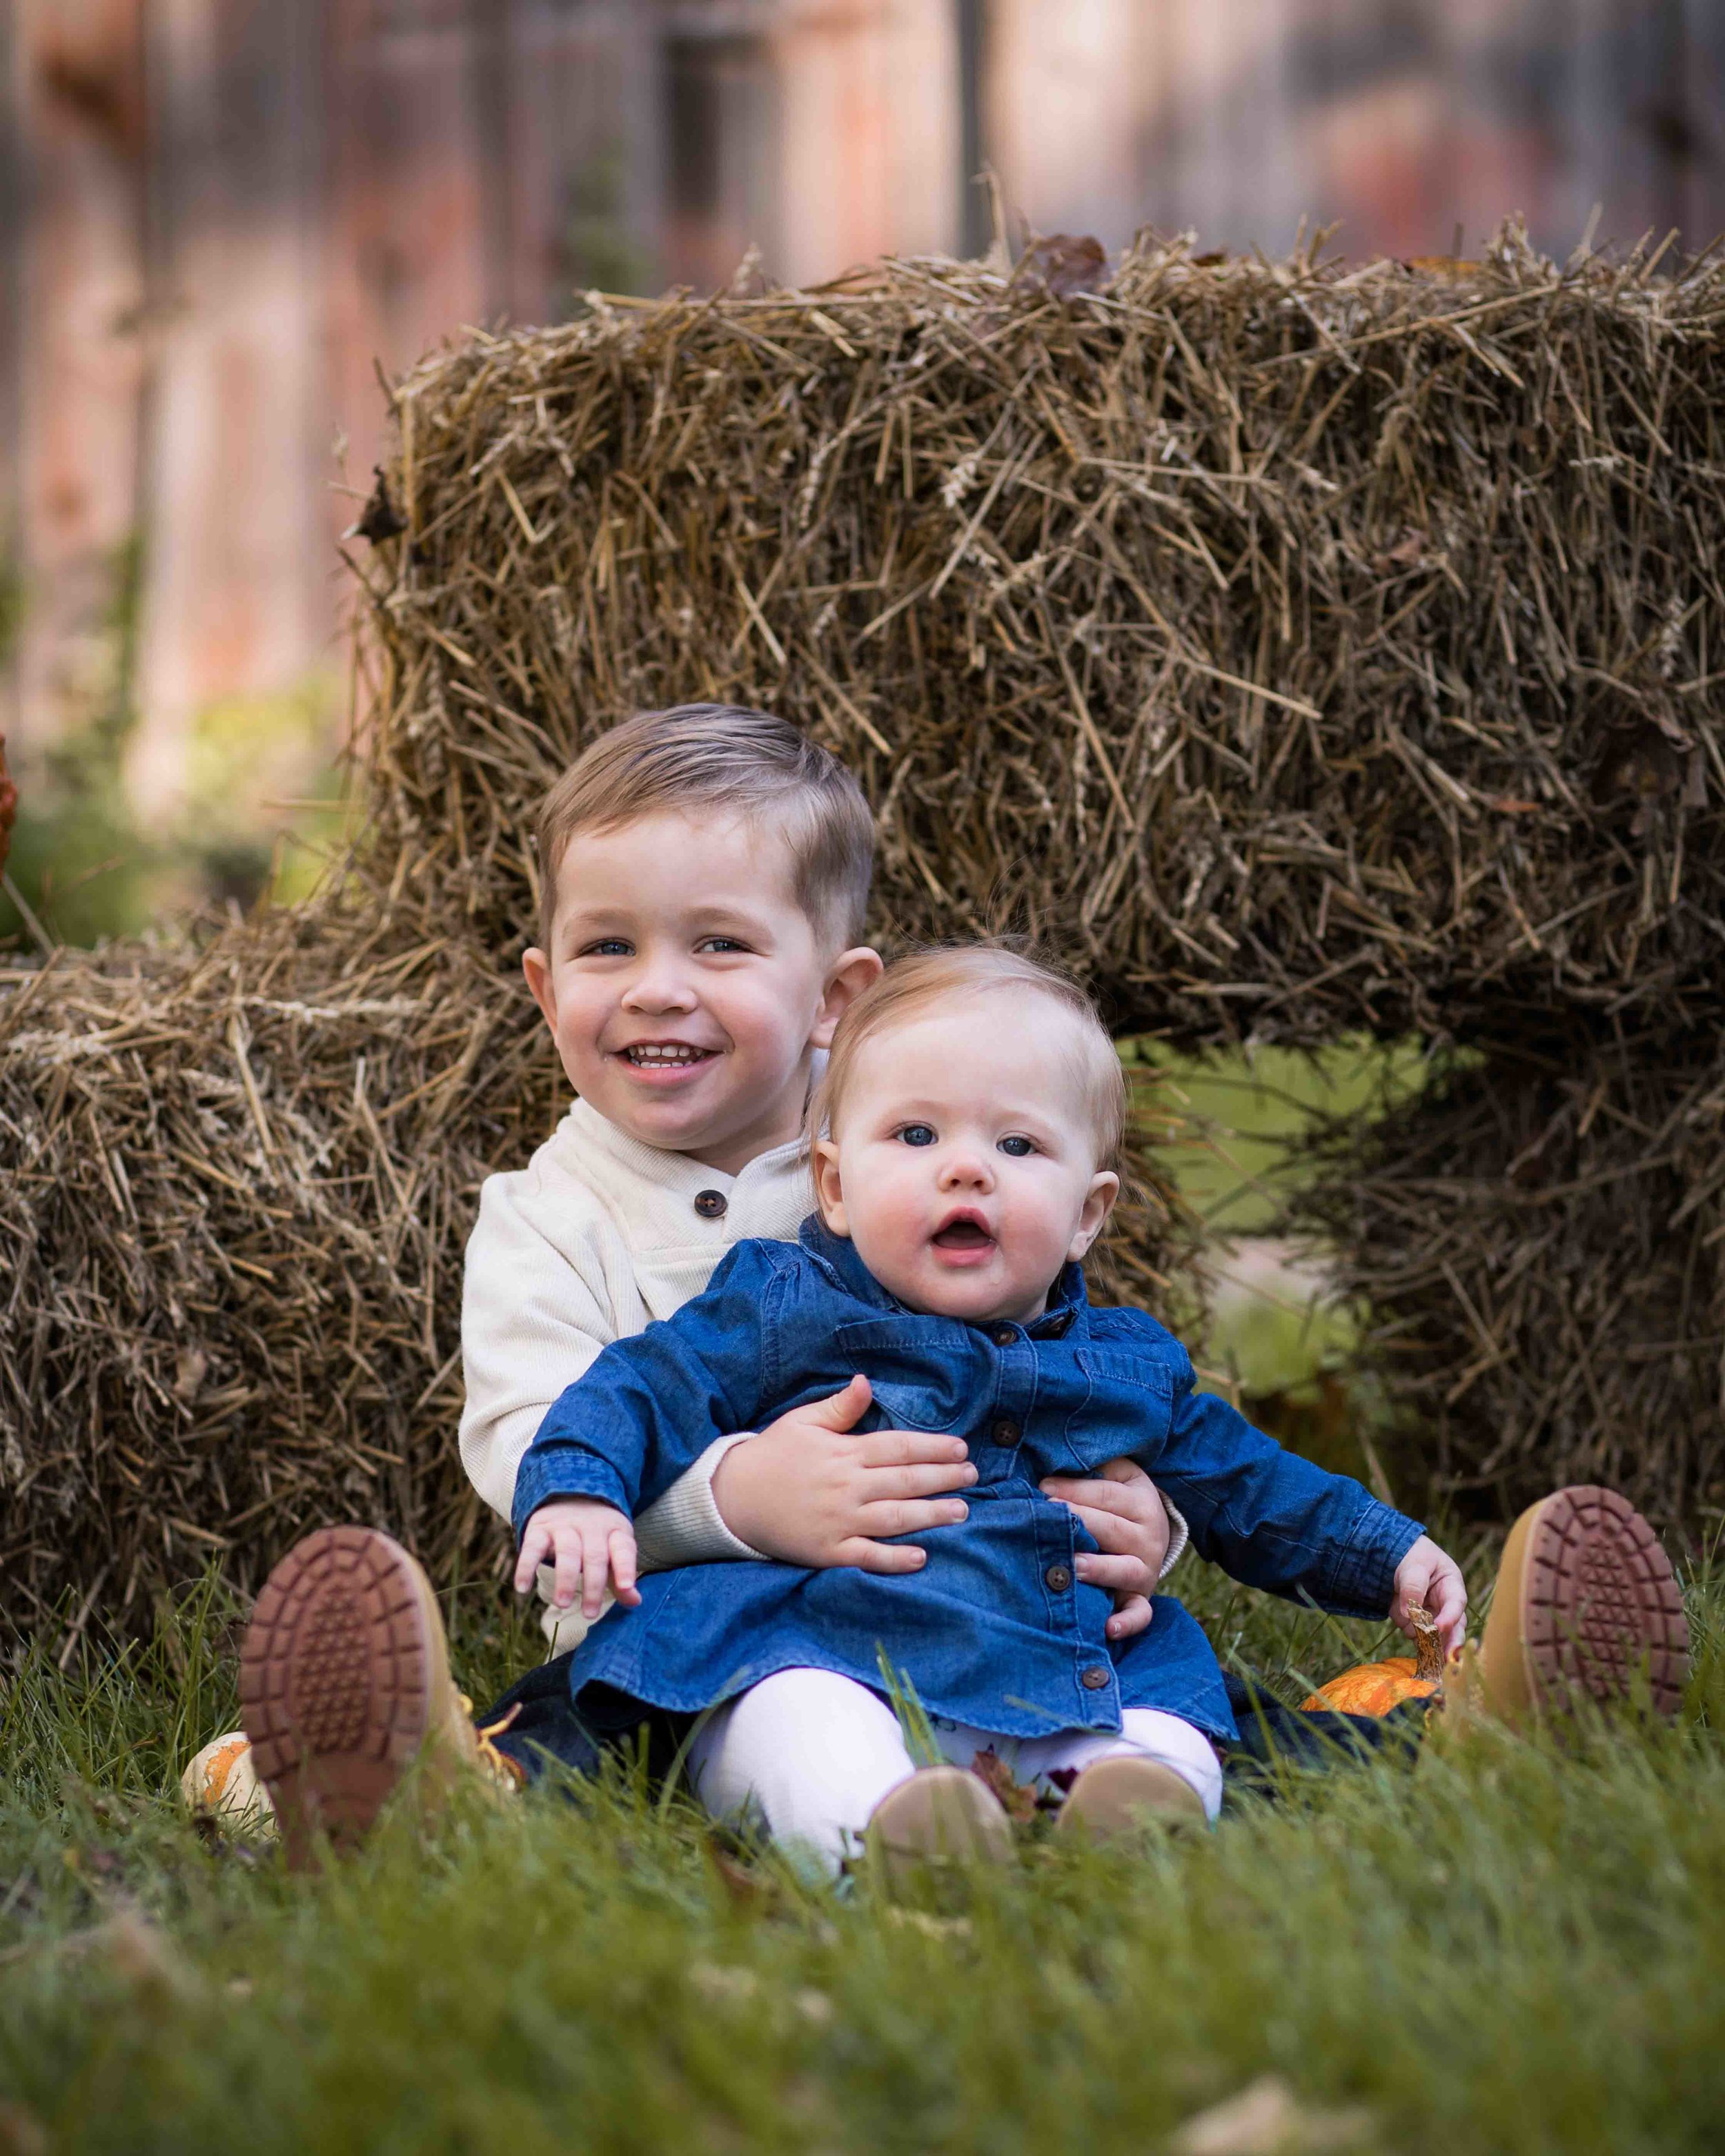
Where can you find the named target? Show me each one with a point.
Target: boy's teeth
(655, 1054)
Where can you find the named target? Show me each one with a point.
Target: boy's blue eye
(917, 1134)
(1018, 1148)
(722, 943)
(609, 947)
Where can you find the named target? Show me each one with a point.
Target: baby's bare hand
(812, 1489)
(590, 1546)
(1430, 1575)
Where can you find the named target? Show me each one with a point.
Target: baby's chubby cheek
(890, 1235)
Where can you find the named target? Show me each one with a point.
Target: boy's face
(685, 987)
(964, 1166)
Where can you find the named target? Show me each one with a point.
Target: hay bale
(1541, 1248)
(236, 1184)
(1322, 649)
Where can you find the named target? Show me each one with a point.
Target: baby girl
(967, 1130)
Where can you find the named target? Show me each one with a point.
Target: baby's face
(963, 1166)
(685, 986)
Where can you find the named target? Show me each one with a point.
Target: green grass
(1521, 1948)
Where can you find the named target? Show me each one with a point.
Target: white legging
(812, 1754)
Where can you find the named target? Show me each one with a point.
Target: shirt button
(711, 1205)
(1059, 1576)
(1004, 1430)
(1095, 1678)
(1002, 1336)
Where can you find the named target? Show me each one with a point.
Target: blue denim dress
(996, 1630)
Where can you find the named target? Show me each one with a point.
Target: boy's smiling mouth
(664, 1059)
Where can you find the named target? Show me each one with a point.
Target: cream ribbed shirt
(595, 1236)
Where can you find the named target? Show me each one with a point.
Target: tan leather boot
(344, 1685)
(1586, 1604)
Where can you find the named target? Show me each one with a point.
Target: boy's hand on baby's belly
(811, 1490)
(1123, 1511)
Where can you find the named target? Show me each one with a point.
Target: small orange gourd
(1373, 1688)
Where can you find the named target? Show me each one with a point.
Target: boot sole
(940, 1817)
(1596, 1602)
(1123, 1795)
(343, 1661)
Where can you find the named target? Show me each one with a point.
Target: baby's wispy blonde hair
(722, 756)
(911, 984)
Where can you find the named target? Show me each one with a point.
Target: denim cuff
(1361, 1576)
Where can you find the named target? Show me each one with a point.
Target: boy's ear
(849, 973)
(537, 968)
(1098, 1204)
(829, 1193)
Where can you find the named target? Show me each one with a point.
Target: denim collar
(1068, 1306)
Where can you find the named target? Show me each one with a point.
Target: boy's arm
(650, 1406)
(1271, 1519)
(535, 1315)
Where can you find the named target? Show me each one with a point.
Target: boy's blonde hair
(910, 984)
(723, 755)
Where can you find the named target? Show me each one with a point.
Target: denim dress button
(1004, 1430)
(1059, 1576)
(711, 1205)
(1002, 1336)
(1095, 1678)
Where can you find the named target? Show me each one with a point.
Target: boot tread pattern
(334, 1674)
(1602, 1603)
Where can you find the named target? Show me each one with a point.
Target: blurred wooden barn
(217, 217)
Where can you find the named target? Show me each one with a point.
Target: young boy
(704, 875)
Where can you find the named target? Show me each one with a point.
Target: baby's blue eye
(917, 1134)
(609, 947)
(724, 944)
(1018, 1148)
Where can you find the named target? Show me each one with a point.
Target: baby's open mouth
(661, 1054)
(963, 1235)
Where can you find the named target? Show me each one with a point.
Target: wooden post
(78, 273)
(12, 212)
(869, 112)
(238, 591)
(584, 153)
(404, 254)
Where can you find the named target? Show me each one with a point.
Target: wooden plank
(239, 598)
(11, 274)
(1068, 101)
(405, 262)
(12, 271)
(79, 357)
(722, 195)
(869, 114)
(583, 116)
